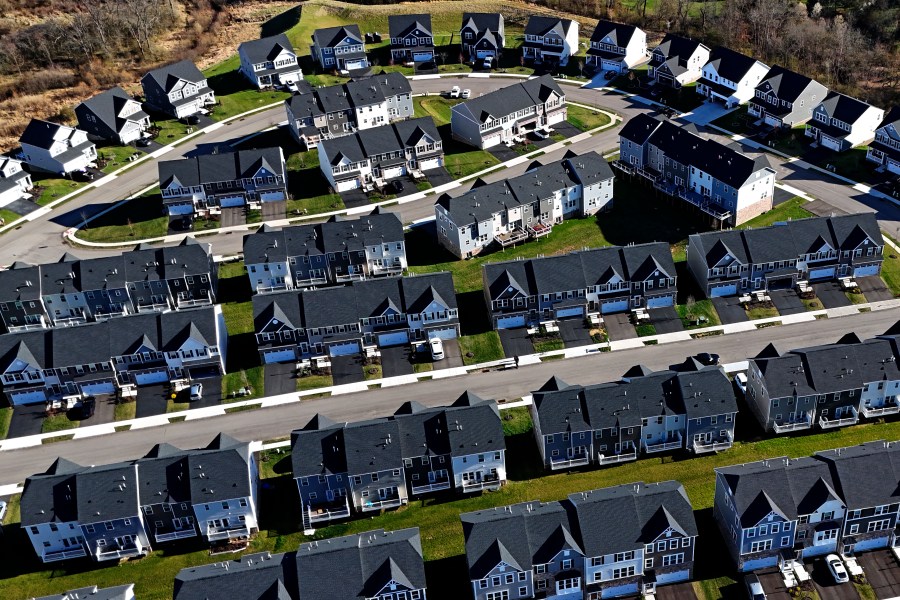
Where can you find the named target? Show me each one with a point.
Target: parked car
(837, 569)
(610, 75)
(83, 175)
(488, 64)
(196, 391)
(143, 141)
(396, 186)
(2, 510)
(740, 380)
(437, 348)
(454, 91)
(706, 358)
(465, 94)
(86, 408)
(540, 134)
(754, 587)
(192, 120)
(292, 87)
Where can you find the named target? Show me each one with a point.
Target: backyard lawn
(786, 211)
(484, 347)
(137, 219)
(436, 107)
(48, 188)
(586, 119)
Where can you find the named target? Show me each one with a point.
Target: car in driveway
(740, 380)
(86, 408)
(437, 348)
(707, 358)
(836, 568)
(196, 391)
(754, 587)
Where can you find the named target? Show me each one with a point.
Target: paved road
(275, 422)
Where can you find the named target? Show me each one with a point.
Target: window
(648, 563)
(540, 569)
(673, 559)
(761, 546)
(785, 541)
(648, 549)
(623, 572)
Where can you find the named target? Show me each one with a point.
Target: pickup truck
(454, 92)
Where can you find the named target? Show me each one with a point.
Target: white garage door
(422, 56)
(343, 349)
(575, 311)
(391, 172)
(180, 209)
(830, 143)
(619, 590)
(759, 563)
(231, 201)
(866, 270)
(271, 196)
(30, 397)
(430, 163)
(660, 301)
(821, 273)
(448, 333)
(773, 121)
(614, 306)
(151, 378)
(92, 389)
(355, 64)
(510, 322)
(492, 140)
(811, 551)
(673, 577)
(393, 338)
(351, 184)
(280, 356)
(718, 291)
(880, 542)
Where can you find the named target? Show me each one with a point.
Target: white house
(549, 39)
(15, 183)
(617, 47)
(677, 61)
(270, 61)
(56, 148)
(730, 77)
(885, 150)
(840, 122)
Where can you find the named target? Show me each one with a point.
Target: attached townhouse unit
(786, 255)
(585, 284)
(482, 36)
(74, 291)
(506, 115)
(329, 112)
(113, 116)
(371, 158)
(616, 47)
(677, 61)
(270, 62)
(55, 148)
(730, 77)
(342, 48)
(525, 207)
(354, 468)
(412, 39)
(785, 98)
(208, 183)
(118, 511)
(605, 543)
(335, 252)
(831, 385)
(179, 90)
(377, 564)
(15, 182)
(644, 412)
(550, 40)
(885, 150)
(840, 122)
(720, 181)
(62, 366)
(93, 592)
(360, 317)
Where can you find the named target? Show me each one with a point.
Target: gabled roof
(512, 98)
(843, 108)
(225, 167)
(730, 64)
(619, 33)
(167, 77)
(107, 106)
(42, 134)
(785, 84)
(266, 49)
(482, 22)
(400, 26)
(867, 475)
(541, 25)
(260, 576)
(118, 592)
(107, 493)
(329, 37)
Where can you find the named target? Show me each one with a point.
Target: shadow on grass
(279, 505)
(225, 84)
(242, 352)
(444, 578)
(709, 563)
(234, 289)
(473, 313)
(523, 462)
(281, 23)
(280, 136)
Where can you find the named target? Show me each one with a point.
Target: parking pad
(665, 320)
(574, 333)
(395, 361)
(882, 572)
(619, 327)
(787, 302)
(730, 310)
(831, 295)
(515, 342)
(347, 369)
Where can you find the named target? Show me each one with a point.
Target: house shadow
(523, 461)
(228, 83)
(279, 505)
(282, 22)
(710, 562)
(474, 317)
(446, 578)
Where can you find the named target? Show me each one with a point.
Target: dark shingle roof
(619, 33)
(107, 492)
(118, 592)
(328, 37)
(540, 25)
(108, 105)
(168, 76)
(42, 134)
(512, 98)
(402, 25)
(266, 49)
(227, 166)
(261, 576)
(729, 64)
(785, 84)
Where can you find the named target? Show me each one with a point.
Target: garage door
(180, 209)
(271, 196)
(614, 306)
(231, 201)
(280, 356)
(484, 53)
(880, 542)
(773, 121)
(660, 301)
(782, 283)
(355, 64)
(151, 378)
(511, 322)
(673, 577)
(344, 349)
(611, 65)
(759, 563)
(448, 333)
(830, 143)
(575, 311)
(619, 590)
(866, 270)
(723, 290)
(343, 186)
(492, 140)
(29, 397)
(430, 163)
(394, 338)
(422, 56)
(812, 551)
(93, 389)
(821, 273)
(391, 172)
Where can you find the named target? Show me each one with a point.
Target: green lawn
(645, 329)
(58, 422)
(311, 382)
(793, 142)
(856, 298)
(7, 216)
(116, 157)
(172, 405)
(788, 210)
(762, 312)
(234, 94)
(170, 131)
(315, 205)
(238, 380)
(484, 347)
(5, 418)
(549, 344)
(850, 163)
(462, 160)
(49, 188)
(890, 269)
(586, 119)
(137, 219)
(690, 314)
(125, 411)
(516, 421)
(737, 121)
(372, 372)
(436, 107)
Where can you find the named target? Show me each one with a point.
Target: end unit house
(840, 122)
(335, 252)
(412, 39)
(885, 150)
(482, 36)
(15, 182)
(371, 158)
(210, 182)
(550, 39)
(785, 98)
(718, 180)
(506, 115)
(677, 61)
(93, 592)
(728, 263)
(179, 90)
(56, 148)
(616, 47)
(579, 285)
(524, 207)
(360, 317)
(730, 77)
(341, 48)
(643, 413)
(342, 469)
(270, 61)
(114, 116)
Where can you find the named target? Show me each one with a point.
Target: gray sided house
(785, 255)
(93, 592)
(171, 278)
(616, 47)
(179, 90)
(15, 182)
(717, 180)
(579, 285)
(114, 116)
(785, 98)
(508, 114)
(335, 252)
(550, 39)
(482, 36)
(342, 48)
(525, 207)
(412, 39)
(270, 61)
(21, 307)
(885, 150)
(644, 412)
(211, 182)
(840, 122)
(677, 61)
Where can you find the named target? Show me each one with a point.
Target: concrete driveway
(151, 400)
(831, 295)
(619, 327)
(280, 379)
(347, 369)
(233, 215)
(826, 586)
(874, 288)
(452, 356)
(666, 320)
(678, 591)
(574, 333)
(515, 342)
(26, 420)
(882, 572)
(395, 361)
(273, 211)
(730, 310)
(787, 302)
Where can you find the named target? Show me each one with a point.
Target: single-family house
(785, 98)
(113, 116)
(784, 256)
(550, 39)
(179, 90)
(56, 148)
(482, 36)
(677, 61)
(840, 122)
(92, 592)
(341, 48)
(412, 39)
(616, 47)
(270, 61)
(885, 150)
(15, 182)
(730, 77)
